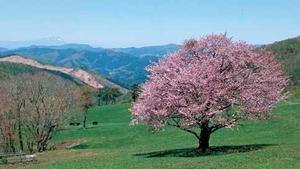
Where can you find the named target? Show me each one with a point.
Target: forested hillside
(288, 53)
(8, 69)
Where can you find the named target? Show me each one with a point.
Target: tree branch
(184, 129)
(219, 126)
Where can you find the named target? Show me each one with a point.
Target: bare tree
(7, 130)
(39, 102)
(11, 103)
(15, 95)
(48, 99)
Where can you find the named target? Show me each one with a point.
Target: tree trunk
(84, 118)
(19, 123)
(20, 137)
(204, 139)
(41, 147)
(12, 145)
(30, 146)
(20, 131)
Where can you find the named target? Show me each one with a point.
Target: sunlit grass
(113, 143)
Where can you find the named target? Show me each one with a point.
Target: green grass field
(115, 144)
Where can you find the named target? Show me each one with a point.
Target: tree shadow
(214, 150)
(81, 146)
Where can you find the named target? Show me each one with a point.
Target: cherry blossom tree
(209, 84)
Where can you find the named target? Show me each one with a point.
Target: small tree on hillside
(102, 96)
(107, 95)
(209, 84)
(87, 101)
(135, 91)
(113, 94)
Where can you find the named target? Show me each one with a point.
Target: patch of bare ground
(56, 156)
(60, 151)
(66, 144)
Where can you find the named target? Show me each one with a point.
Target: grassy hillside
(288, 53)
(8, 69)
(115, 144)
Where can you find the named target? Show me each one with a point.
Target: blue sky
(122, 23)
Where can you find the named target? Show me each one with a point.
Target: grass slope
(288, 53)
(8, 69)
(115, 144)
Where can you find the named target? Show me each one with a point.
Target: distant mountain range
(149, 50)
(2, 49)
(44, 42)
(125, 66)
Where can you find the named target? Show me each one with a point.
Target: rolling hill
(83, 76)
(123, 66)
(288, 53)
(9, 69)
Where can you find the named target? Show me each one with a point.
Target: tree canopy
(210, 83)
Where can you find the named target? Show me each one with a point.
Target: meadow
(114, 143)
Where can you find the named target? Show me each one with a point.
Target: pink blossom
(212, 81)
